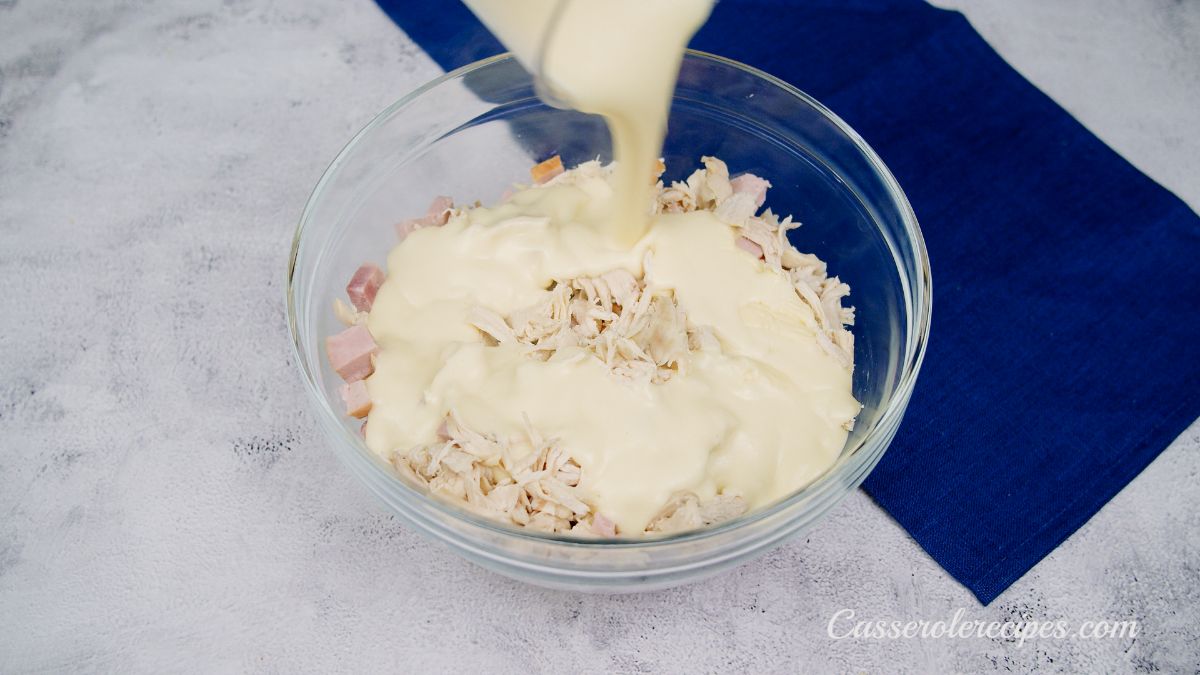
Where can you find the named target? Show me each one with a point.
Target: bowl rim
(919, 322)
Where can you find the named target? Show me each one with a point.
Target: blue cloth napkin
(1063, 355)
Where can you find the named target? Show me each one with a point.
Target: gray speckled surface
(167, 504)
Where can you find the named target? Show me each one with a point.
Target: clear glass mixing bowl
(473, 132)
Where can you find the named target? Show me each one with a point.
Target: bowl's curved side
(545, 559)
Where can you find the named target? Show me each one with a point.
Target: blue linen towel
(1063, 355)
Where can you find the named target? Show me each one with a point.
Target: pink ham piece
(351, 351)
(364, 285)
(439, 210)
(604, 527)
(749, 247)
(437, 214)
(407, 227)
(357, 399)
(750, 184)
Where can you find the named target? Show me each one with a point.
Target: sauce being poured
(615, 58)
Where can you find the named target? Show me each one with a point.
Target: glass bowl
(473, 132)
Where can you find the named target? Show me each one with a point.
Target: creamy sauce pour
(616, 58)
(760, 417)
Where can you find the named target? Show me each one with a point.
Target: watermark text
(845, 625)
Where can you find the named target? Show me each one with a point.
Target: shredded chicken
(637, 332)
(527, 481)
(764, 235)
(532, 482)
(580, 312)
(347, 314)
(685, 511)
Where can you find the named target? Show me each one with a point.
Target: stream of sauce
(615, 58)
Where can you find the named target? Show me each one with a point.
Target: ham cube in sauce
(351, 351)
(604, 527)
(752, 185)
(749, 247)
(364, 285)
(437, 214)
(357, 399)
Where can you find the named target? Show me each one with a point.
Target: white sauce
(760, 417)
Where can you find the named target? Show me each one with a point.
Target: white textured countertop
(167, 504)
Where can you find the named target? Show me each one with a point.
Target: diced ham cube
(753, 185)
(750, 247)
(357, 399)
(546, 170)
(364, 285)
(351, 352)
(408, 227)
(439, 210)
(604, 527)
(437, 214)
